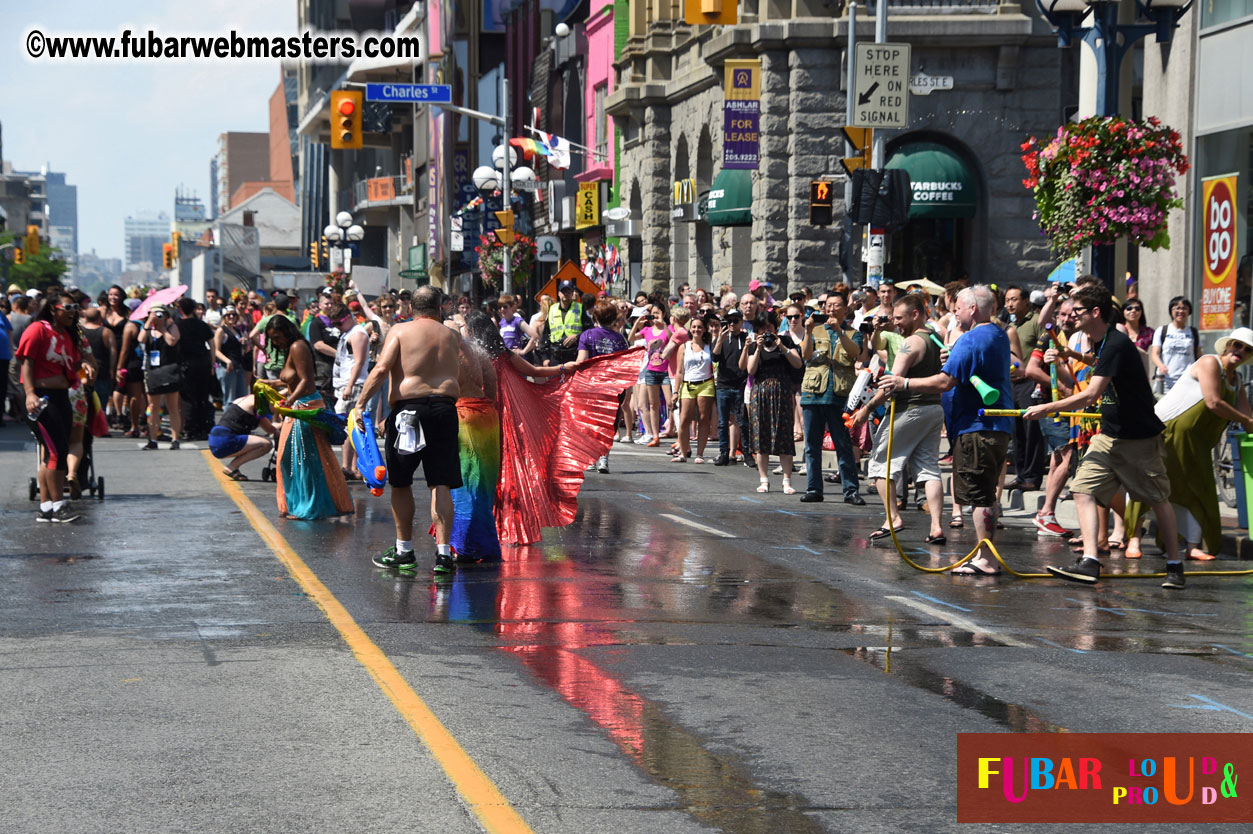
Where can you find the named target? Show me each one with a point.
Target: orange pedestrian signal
(346, 119)
(821, 212)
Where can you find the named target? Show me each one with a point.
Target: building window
(1214, 12)
(601, 125)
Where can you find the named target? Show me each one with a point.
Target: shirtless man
(420, 358)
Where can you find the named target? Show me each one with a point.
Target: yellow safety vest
(560, 326)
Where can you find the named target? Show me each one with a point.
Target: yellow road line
(478, 791)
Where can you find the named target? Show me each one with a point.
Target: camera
(866, 328)
(159, 314)
(769, 340)
(819, 318)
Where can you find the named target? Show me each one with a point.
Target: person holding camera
(766, 359)
(729, 384)
(830, 352)
(163, 373)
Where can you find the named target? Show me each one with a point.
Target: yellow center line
(478, 791)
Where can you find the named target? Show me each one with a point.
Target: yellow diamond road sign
(881, 85)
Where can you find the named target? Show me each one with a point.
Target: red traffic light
(347, 107)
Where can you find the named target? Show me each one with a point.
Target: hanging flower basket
(1105, 178)
(492, 258)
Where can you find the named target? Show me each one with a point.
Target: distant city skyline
(129, 134)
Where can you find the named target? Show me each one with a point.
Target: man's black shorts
(440, 458)
(978, 461)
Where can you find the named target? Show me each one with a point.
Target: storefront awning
(943, 185)
(731, 199)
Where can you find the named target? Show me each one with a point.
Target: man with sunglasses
(1130, 451)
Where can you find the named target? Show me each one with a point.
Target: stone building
(972, 215)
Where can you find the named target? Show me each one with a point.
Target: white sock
(403, 546)
(443, 550)
(45, 506)
(56, 505)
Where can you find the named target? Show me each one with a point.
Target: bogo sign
(1218, 252)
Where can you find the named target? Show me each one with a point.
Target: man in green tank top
(919, 416)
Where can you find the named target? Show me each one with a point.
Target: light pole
(341, 235)
(1110, 41)
(502, 177)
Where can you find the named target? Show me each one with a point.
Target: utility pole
(505, 190)
(849, 113)
(880, 36)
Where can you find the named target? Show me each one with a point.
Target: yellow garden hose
(891, 426)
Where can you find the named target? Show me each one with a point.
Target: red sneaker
(1048, 526)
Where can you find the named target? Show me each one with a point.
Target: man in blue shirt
(979, 444)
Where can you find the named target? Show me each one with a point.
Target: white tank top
(1183, 395)
(698, 363)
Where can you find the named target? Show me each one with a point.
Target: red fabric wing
(550, 434)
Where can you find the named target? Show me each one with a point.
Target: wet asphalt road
(688, 656)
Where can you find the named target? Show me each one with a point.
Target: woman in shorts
(696, 389)
(233, 436)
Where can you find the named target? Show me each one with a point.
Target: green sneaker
(389, 558)
(444, 564)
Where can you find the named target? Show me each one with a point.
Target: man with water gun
(977, 371)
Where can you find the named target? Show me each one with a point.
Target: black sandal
(882, 533)
(940, 539)
(235, 474)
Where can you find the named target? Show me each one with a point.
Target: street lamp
(1110, 41)
(340, 235)
(503, 177)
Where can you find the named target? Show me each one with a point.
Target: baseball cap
(565, 285)
(734, 313)
(290, 293)
(327, 291)
(1038, 299)
(405, 295)
(755, 285)
(33, 293)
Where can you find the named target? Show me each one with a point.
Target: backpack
(1196, 340)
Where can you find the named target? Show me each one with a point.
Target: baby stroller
(85, 476)
(270, 472)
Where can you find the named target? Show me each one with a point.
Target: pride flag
(529, 147)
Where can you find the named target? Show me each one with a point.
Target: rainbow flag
(529, 147)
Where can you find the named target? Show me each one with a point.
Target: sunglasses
(69, 308)
(1232, 345)
(1133, 309)
(794, 316)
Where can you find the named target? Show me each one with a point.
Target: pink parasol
(166, 296)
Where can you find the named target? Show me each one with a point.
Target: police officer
(565, 324)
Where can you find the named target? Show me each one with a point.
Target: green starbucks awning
(943, 185)
(731, 198)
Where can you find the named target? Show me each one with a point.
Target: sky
(129, 133)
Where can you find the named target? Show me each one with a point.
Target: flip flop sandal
(1101, 552)
(235, 475)
(881, 533)
(956, 524)
(1117, 545)
(970, 569)
(940, 539)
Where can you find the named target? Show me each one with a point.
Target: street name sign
(881, 85)
(922, 84)
(409, 93)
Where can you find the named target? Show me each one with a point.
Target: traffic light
(505, 233)
(32, 240)
(19, 256)
(820, 197)
(862, 140)
(722, 12)
(175, 239)
(313, 254)
(326, 250)
(167, 256)
(346, 120)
